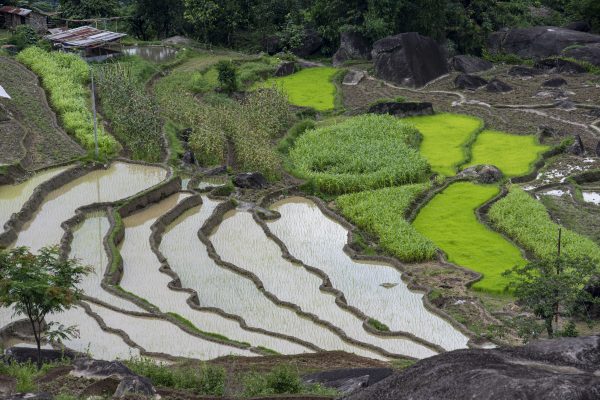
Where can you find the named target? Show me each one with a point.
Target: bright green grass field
(513, 154)
(444, 138)
(381, 212)
(311, 87)
(450, 221)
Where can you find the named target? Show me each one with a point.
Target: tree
(554, 288)
(39, 285)
(83, 9)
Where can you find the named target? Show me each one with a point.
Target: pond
(156, 54)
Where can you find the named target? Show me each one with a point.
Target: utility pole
(94, 112)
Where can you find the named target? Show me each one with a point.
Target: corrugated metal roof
(84, 36)
(3, 93)
(23, 12)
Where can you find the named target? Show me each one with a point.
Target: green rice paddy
(444, 139)
(513, 154)
(449, 220)
(311, 87)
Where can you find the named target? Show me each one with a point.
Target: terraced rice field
(449, 220)
(311, 87)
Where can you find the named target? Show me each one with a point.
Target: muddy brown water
(13, 197)
(255, 252)
(318, 240)
(119, 181)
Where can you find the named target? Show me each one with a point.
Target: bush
(382, 213)
(202, 379)
(65, 78)
(281, 380)
(134, 115)
(365, 152)
(527, 221)
(227, 76)
(23, 37)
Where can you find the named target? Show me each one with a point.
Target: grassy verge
(193, 327)
(282, 380)
(449, 221)
(26, 374)
(514, 155)
(445, 139)
(311, 87)
(527, 221)
(361, 153)
(381, 212)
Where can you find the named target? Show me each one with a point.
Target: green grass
(445, 137)
(381, 212)
(311, 87)
(281, 380)
(450, 221)
(513, 154)
(361, 153)
(527, 221)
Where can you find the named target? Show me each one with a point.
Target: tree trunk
(549, 328)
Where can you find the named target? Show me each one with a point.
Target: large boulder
(577, 148)
(560, 66)
(311, 43)
(538, 41)
(581, 26)
(589, 53)
(250, 180)
(135, 385)
(524, 72)
(469, 64)
(554, 82)
(285, 68)
(469, 82)
(482, 174)
(353, 78)
(498, 86)
(100, 369)
(29, 354)
(409, 59)
(347, 381)
(401, 109)
(272, 44)
(353, 46)
(560, 369)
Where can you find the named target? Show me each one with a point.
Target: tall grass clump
(361, 153)
(382, 213)
(281, 380)
(65, 78)
(134, 114)
(527, 221)
(202, 379)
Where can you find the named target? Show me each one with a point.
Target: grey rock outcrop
(250, 180)
(347, 381)
(401, 109)
(558, 65)
(524, 72)
(311, 43)
(353, 78)
(469, 82)
(559, 369)
(581, 26)
(409, 59)
(577, 147)
(29, 354)
(589, 53)
(285, 68)
(538, 41)
(482, 173)
(353, 46)
(497, 86)
(100, 369)
(135, 385)
(469, 64)
(554, 82)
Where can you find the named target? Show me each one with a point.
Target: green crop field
(311, 87)
(527, 221)
(361, 153)
(450, 221)
(381, 212)
(444, 139)
(513, 154)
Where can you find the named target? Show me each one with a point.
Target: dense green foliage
(382, 212)
(65, 77)
(202, 379)
(365, 152)
(514, 155)
(281, 380)
(526, 220)
(133, 113)
(311, 87)
(445, 137)
(449, 221)
(228, 80)
(25, 374)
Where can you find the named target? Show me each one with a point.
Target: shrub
(382, 213)
(202, 379)
(134, 115)
(23, 37)
(365, 152)
(527, 221)
(227, 76)
(281, 380)
(65, 77)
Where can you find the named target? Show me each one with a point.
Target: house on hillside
(89, 42)
(11, 17)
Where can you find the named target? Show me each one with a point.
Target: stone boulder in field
(353, 46)
(401, 109)
(538, 41)
(554, 82)
(559, 369)
(409, 59)
(311, 43)
(559, 66)
(482, 173)
(469, 82)
(469, 64)
(589, 53)
(285, 68)
(250, 180)
(497, 86)
(350, 380)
